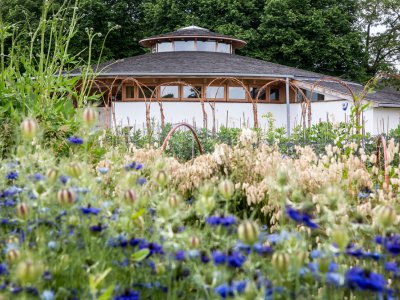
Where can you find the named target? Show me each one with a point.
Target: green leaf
(140, 255)
(107, 294)
(138, 214)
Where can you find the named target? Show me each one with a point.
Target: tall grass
(33, 75)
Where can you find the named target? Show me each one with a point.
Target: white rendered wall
(236, 114)
(385, 119)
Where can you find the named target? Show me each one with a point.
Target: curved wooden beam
(382, 142)
(165, 143)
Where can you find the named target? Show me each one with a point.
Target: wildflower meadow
(242, 222)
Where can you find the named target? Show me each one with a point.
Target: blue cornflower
(315, 253)
(213, 220)
(11, 191)
(3, 269)
(204, 257)
(333, 267)
(180, 255)
(353, 251)
(243, 247)
(363, 195)
(262, 249)
(141, 181)
(392, 267)
(122, 241)
(47, 295)
(300, 217)
(103, 170)
(128, 295)
(391, 243)
(47, 275)
(90, 210)
(133, 166)
(75, 140)
(219, 257)
(136, 241)
(12, 175)
(225, 221)
(64, 179)
(153, 247)
(236, 259)
(228, 290)
(8, 203)
(357, 278)
(37, 177)
(335, 279)
(98, 228)
(278, 237)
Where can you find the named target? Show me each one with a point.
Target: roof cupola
(192, 38)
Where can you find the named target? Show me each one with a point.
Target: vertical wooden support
(287, 108)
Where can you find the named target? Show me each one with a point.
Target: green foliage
(317, 35)
(382, 46)
(33, 81)
(322, 36)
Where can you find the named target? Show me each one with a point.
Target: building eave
(186, 75)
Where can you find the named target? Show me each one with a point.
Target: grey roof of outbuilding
(384, 97)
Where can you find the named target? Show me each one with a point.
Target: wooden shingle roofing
(198, 63)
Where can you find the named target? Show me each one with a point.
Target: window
(190, 92)
(236, 93)
(315, 96)
(148, 92)
(169, 91)
(130, 92)
(254, 92)
(215, 92)
(224, 48)
(206, 46)
(165, 47)
(274, 94)
(318, 97)
(184, 46)
(300, 97)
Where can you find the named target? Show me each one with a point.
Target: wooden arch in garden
(180, 83)
(294, 87)
(140, 86)
(167, 138)
(222, 80)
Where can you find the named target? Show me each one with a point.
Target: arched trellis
(222, 80)
(167, 138)
(381, 142)
(338, 81)
(294, 87)
(140, 86)
(180, 83)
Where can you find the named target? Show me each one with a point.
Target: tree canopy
(334, 37)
